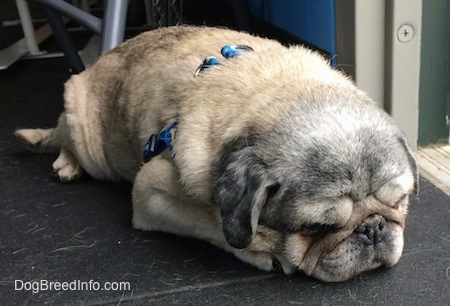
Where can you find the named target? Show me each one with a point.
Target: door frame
(382, 63)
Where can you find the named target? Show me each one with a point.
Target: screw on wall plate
(405, 33)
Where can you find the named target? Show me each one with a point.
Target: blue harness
(158, 143)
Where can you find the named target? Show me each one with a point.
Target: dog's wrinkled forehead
(345, 147)
(330, 156)
(330, 178)
(329, 170)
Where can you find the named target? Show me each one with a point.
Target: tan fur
(267, 107)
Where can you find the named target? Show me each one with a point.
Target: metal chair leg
(113, 30)
(63, 38)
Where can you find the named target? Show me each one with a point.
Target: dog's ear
(241, 190)
(412, 162)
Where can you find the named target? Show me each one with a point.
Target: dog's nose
(371, 230)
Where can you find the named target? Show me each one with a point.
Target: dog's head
(331, 172)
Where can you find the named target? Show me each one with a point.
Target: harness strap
(158, 143)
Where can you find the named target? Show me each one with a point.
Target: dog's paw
(265, 261)
(34, 139)
(66, 168)
(266, 251)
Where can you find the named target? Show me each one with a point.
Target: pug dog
(261, 149)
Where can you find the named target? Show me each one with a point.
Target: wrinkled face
(359, 235)
(340, 208)
(331, 237)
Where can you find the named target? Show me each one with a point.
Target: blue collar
(158, 143)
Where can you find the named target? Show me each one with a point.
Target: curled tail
(39, 140)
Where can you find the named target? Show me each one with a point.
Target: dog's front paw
(66, 168)
(266, 251)
(265, 261)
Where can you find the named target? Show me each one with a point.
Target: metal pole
(63, 38)
(114, 19)
(27, 27)
(91, 22)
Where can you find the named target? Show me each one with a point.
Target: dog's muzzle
(370, 231)
(368, 222)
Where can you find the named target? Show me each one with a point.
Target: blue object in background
(313, 21)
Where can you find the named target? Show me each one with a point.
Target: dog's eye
(318, 229)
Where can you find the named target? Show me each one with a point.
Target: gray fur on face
(324, 153)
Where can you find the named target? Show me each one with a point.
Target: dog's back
(113, 107)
